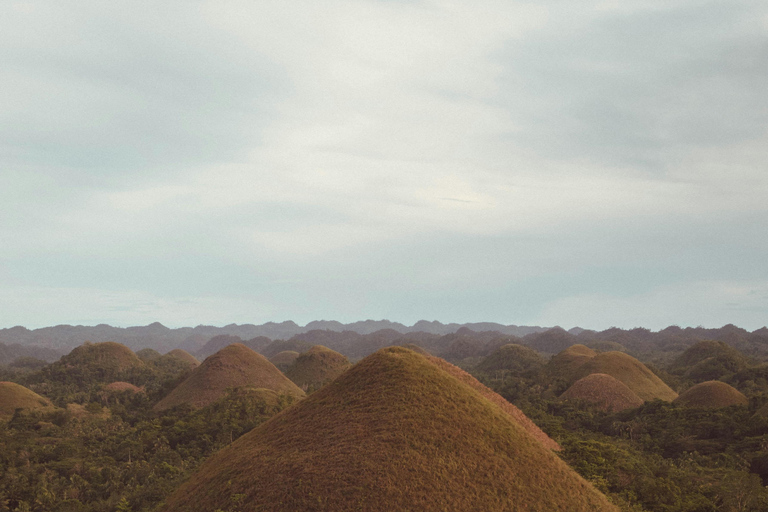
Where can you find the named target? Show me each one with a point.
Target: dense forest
(674, 420)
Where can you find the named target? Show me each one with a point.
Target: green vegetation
(282, 360)
(512, 358)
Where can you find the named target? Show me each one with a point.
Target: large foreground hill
(394, 433)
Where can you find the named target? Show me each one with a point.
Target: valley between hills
(380, 416)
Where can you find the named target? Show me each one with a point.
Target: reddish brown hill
(317, 366)
(106, 356)
(608, 393)
(394, 433)
(631, 372)
(497, 399)
(233, 366)
(711, 394)
(13, 396)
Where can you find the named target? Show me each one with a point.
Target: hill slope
(13, 396)
(512, 357)
(394, 433)
(711, 394)
(233, 366)
(317, 366)
(608, 393)
(631, 372)
(565, 364)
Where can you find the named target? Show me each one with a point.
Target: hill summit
(317, 366)
(631, 372)
(712, 394)
(394, 433)
(233, 366)
(605, 391)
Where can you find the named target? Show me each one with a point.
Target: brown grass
(108, 355)
(284, 359)
(634, 374)
(605, 391)
(14, 396)
(394, 433)
(711, 394)
(566, 363)
(497, 399)
(184, 356)
(317, 366)
(233, 366)
(122, 386)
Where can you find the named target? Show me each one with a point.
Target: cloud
(475, 161)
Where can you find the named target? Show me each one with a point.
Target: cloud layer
(211, 162)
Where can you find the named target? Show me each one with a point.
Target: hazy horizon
(595, 164)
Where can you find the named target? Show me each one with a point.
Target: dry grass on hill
(497, 399)
(631, 372)
(317, 366)
(416, 348)
(604, 391)
(183, 356)
(108, 355)
(566, 363)
(712, 394)
(13, 396)
(233, 366)
(394, 433)
(282, 360)
(119, 387)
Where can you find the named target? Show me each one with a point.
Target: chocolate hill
(711, 394)
(564, 364)
(317, 366)
(605, 391)
(184, 357)
(394, 433)
(512, 357)
(233, 366)
(284, 359)
(631, 372)
(13, 396)
(108, 356)
(708, 360)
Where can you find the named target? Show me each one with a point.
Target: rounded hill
(14, 396)
(564, 364)
(107, 356)
(317, 366)
(233, 366)
(512, 357)
(711, 394)
(183, 356)
(394, 433)
(606, 392)
(634, 374)
(284, 359)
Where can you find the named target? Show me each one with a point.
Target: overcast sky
(592, 163)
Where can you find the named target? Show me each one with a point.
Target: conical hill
(564, 364)
(605, 391)
(183, 356)
(108, 356)
(394, 433)
(513, 358)
(284, 359)
(233, 366)
(711, 394)
(317, 366)
(631, 372)
(14, 396)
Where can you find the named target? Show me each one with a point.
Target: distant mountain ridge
(63, 338)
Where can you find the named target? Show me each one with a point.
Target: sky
(591, 163)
